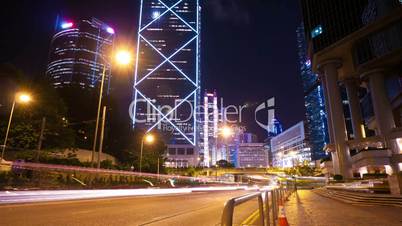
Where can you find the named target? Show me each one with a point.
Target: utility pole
(42, 130)
(8, 130)
(158, 168)
(102, 135)
(97, 115)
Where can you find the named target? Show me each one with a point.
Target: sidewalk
(305, 208)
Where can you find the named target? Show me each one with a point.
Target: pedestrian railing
(268, 205)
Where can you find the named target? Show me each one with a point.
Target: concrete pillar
(382, 107)
(334, 156)
(330, 69)
(352, 87)
(385, 122)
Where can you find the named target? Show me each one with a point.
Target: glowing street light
(149, 139)
(227, 131)
(123, 57)
(22, 98)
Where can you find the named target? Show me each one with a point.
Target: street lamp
(149, 139)
(227, 132)
(123, 58)
(22, 98)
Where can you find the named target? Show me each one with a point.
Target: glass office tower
(316, 118)
(78, 52)
(167, 76)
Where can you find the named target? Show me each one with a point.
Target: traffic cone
(282, 220)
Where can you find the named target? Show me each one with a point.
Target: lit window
(316, 31)
(308, 63)
(155, 14)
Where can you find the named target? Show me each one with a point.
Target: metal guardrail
(268, 204)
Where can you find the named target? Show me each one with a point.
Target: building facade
(316, 116)
(253, 155)
(167, 75)
(182, 156)
(79, 51)
(276, 130)
(209, 132)
(290, 148)
(363, 54)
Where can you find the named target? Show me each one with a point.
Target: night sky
(249, 49)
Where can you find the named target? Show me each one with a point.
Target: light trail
(13, 197)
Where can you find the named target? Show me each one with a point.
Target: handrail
(227, 216)
(276, 196)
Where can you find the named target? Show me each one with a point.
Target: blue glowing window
(316, 31)
(155, 14)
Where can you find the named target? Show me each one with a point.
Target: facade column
(351, 86)
(382, 109)
(330, 69)
(334, 156)
(385, 123)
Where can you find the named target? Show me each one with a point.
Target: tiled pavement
(305, 208)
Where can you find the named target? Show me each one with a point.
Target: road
(309, 209)
(197, 208)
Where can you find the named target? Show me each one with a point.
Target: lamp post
(21, 98)
(148, 138)
(123, 57)
(226, 133)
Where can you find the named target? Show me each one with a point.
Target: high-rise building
(79, 51)
(209, 132)
(167, 76)
(326, 22)
(275, 127)
(290, 148)
(355, 47)
(316, 117)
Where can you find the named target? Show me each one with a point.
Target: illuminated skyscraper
(316, 116)
(78, 52)
(210, 128)
(167, 83)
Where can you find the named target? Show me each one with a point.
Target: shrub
(338, 177)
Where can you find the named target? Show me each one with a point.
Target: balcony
(376, 157)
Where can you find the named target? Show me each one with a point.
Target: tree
(130, 148)
(26, 124)
(224, 164)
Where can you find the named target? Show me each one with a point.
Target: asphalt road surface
(199, 208)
